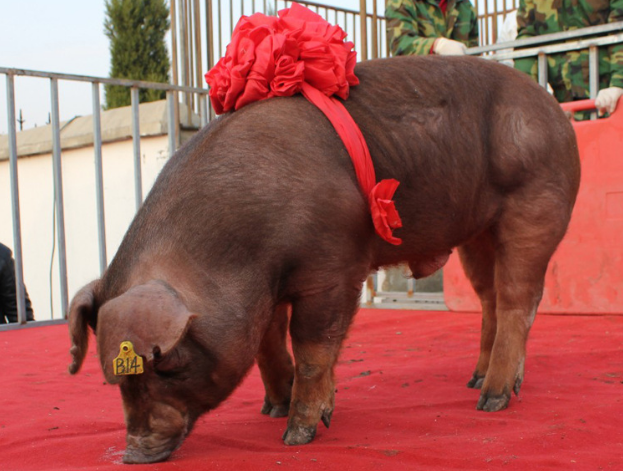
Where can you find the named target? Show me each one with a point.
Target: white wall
(36, 196)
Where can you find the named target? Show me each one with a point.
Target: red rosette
(270, 56)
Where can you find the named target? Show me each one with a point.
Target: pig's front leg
(276, 366)
(318, 327)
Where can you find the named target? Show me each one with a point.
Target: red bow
(300, 52)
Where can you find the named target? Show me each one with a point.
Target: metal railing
(134, 85)
(191, 39)
(203, 28)
(591, 38)
(491, 14)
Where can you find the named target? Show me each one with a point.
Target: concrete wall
(41, 274)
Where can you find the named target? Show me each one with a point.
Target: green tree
(136, 29)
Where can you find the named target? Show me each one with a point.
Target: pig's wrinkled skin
(261, 213)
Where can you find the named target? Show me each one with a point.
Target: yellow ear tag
(128, 362)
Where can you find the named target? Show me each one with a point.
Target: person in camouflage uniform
(568, 72)
(445, 27)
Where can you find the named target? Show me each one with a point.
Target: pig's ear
(82, 313)
(151, 316)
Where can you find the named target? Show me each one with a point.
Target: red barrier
(585, 275)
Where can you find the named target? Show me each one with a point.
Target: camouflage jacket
(413, 25)
(568, 72)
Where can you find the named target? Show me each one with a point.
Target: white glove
(607, 99)
(448, 47)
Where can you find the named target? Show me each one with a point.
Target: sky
(65, 36)
(56, 36)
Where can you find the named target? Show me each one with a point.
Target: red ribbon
(300, 52)
(384, 214)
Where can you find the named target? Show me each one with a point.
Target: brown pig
(261, 213)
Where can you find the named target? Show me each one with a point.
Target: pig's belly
(429, 265)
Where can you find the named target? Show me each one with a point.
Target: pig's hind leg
(525, 237)
(318, 326)
(276, 365)
(478, 260)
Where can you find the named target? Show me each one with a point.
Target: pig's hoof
(274, 411)
(489, 403)
(476, 381)
(298, 435)
(326, 418)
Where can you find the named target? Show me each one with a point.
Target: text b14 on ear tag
(128, 362)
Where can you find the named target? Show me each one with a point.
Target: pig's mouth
(141, 451)
(154, 434)
(135, 456)
(154, 447)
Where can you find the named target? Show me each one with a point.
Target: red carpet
(401, 404)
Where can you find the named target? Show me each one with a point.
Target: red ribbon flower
(272, 56)
(300, 52)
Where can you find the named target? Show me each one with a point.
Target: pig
(257, 228)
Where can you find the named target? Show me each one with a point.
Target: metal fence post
(593, 74)
(58, 194)
(363, 21)
(198, 58)
(542, 68)
(210, 34)
(136, 141)
(593, 71)
(17, 228)
(99, 178)
(203, 110)
(374, 32)
(171, 121)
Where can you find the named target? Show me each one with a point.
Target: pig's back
(273, 181)
(461, 134)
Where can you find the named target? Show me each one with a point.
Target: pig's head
(178, 383)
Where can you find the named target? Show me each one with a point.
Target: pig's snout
(166, 430)
(137, 452)
(150, 449)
